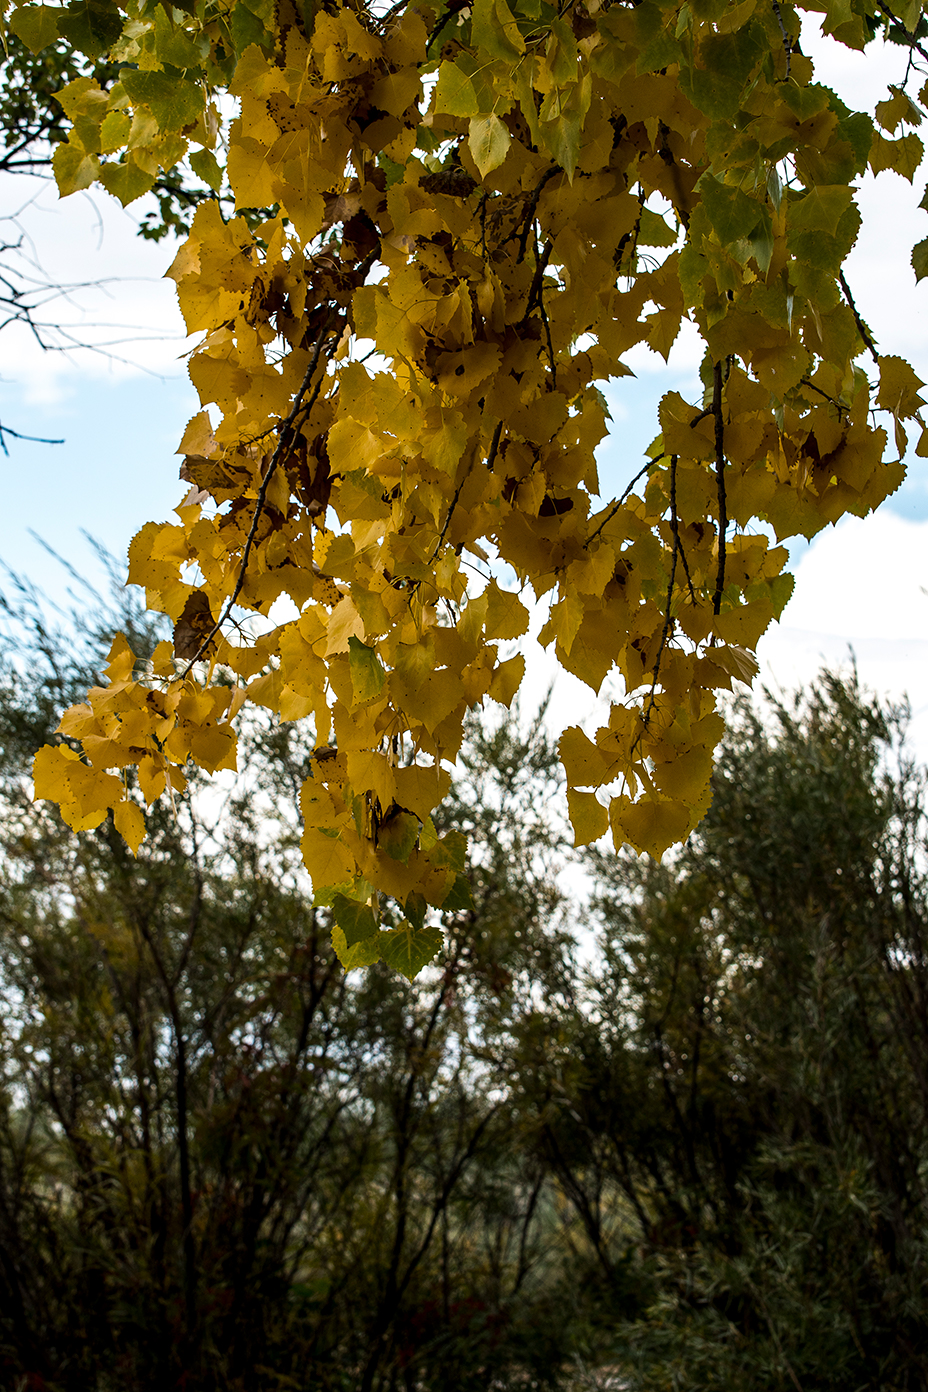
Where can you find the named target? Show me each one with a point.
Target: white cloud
(112, 295)
(860, 586)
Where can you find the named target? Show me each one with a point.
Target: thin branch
(640, 474)
(541, 265)
(720, 480)
(913, 43)
(668, 620)
(35, 439)
(787, 45)
(491, 458)
(861, 326)
(544, 319)
(286, 431)
(531, 208)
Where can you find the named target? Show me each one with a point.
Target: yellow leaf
(130, 823)
(590, 820)
(584, 763)
(345, 623)
(507, 679)
(326, 859)
(421, 789)
(651, 824)
(488, 141)
(506, 615)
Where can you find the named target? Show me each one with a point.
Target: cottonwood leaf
(455, 92)
(488, 141)
(173, 101)
(920, 259)
(407, 949)
(588, 817)
(357, 921)
(129, 821)
(397, 834)
(360, 954)
(367, 671)
(36, 25)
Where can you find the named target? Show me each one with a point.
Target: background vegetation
(672, 1140)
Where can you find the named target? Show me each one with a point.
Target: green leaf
(359, 954)
(653, 230)
(459, 896)
(367, 673)
(74, 169)
(494, 29)
(562, 137)
(455, 94)
(821, 209)
(397, 834)
(357, 921)
(205, 164)
(903, 155)
(450, 851)
(173, 102)
(407, 949)
(125, 181)
(732, 213)
(246, 28)
(489, 142)
(920, 259)
(415, 909)
(90, 28)
(36, 25)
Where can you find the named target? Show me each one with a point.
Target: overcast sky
(861, 585)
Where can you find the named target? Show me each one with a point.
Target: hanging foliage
(468, 215)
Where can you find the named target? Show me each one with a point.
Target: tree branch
(286, 430)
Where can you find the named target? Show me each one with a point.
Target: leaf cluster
(471, 216)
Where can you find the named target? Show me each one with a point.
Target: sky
(120, 407)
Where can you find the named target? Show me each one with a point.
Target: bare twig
(35, 439)
(544, 319)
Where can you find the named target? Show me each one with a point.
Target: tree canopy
(470, 214)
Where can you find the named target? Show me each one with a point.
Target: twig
(546, 322)
(861, 326)
(640, 474)
(34, 439)
(286, 427)
(491, 457)
(787, 45)
(541, 265)
(668, 620)
(720, 480)
(913, 43)
(531, 208)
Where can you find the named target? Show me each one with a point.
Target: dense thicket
(699, 1162)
